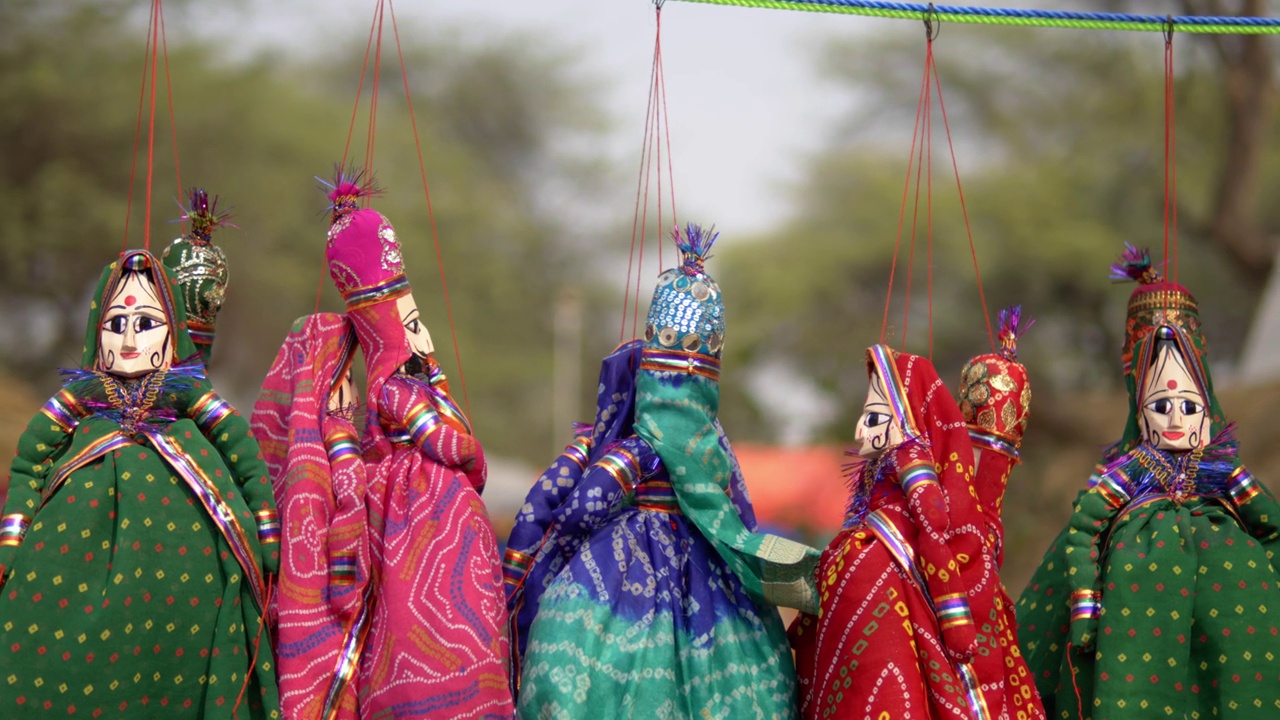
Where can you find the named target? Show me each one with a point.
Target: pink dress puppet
(437, 645)
(303, 423)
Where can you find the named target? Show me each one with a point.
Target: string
(355, 108)
(426, 191)
(257, 643)
(915, 212)
(374, 92)
(151, 131)
(666, 123)
(964, 208)
(640, 189)
(1170, 159)
(173, 123)
(928, 124)
(137, 129)
(902, 211)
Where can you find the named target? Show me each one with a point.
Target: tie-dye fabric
(319, 480)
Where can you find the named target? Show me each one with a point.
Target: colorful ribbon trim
(1243, 487)
(1085, 604)
(389, 289)
(1111, 490)
(953, 611)
(983, 439)
(93, 451)
(623, 466)
(348, 659)
(578, 450)
(515, 565)
(660, 360)
(658, 496)
(201, 333)
(420, 421)
(210, 410)
(268, 526)
(219, 512)
(342, 447)
(64, 410)
(12, 529)
(342, 568)
(916, 474)
(882, 360)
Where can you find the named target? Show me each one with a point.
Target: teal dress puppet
(139, 531)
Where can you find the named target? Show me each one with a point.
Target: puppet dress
(437, 644)
(673, 633)
(136, 536)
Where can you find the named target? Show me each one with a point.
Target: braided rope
(1206, 24)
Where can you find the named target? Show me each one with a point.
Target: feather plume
(346, 190)
(1135, 264)
(203, 215)
(694, 245)
(1011, 328)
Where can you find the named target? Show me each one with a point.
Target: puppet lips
(1172, 435)
(130, 355)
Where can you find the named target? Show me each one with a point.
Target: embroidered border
(12, 529)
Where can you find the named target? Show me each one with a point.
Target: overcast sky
(743, 105)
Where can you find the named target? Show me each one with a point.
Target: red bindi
(1172, 384)
(129, 300)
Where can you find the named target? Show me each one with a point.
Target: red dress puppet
(894, 637)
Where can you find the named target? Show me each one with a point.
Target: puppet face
(134, 339)
(878, 430)
(1173, 408)
(414, 329)
(344, 392)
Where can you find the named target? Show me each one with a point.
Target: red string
(657, 131)
(928, 144)
(964, 209)
(426, 191)
(374, 93)
(257, 643)
(151, 131)
(355, 108)
(902, 212)
(915, 212)
(1074, 685)
(137, 128)
(644, 221)
(666, 124)
(1168, 94)
(640, 184)
(173, 123)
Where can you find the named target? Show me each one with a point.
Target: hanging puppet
(437, 644)
(995, 400)
(200, 269)
(140, 531)
(902, 582)
(303, 420)
(1156, 599)
(529, 564)
(660, 606)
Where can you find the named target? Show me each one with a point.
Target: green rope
(969, 19)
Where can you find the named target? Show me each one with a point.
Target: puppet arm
(1095, 510)
(409, 405)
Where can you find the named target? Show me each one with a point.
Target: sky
(744, 106)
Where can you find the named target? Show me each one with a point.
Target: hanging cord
(928, 151)
(915, 210)
(902, 210)
(173, 123)
(137, 128)
(426, 191)
(375, 91)
(666, 126)
(641, 186)
(964, 208)
(1170, 158)
(257, 644)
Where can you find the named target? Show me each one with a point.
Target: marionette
(662, 605)
(304, 423)
(995, 400)
(437, 644)
(895, 636)
(140, 531)
(1155, 601)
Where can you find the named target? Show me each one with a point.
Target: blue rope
(1016, 16)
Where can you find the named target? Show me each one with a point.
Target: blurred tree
(1059, 138)
(494, 118)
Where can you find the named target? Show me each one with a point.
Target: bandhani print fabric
(320, 604)
(908, 625)
(138, 538)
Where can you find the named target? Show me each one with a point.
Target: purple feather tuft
(346, 189)
(1011, 328)
(694, 244)
(1135, 264)
(203, 215)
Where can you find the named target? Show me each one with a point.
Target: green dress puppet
(139, 531)
(1158, 599)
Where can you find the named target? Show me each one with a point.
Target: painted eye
(145, 323)
(116, 324)
(1163, 406)
(876, 419)
(1190, 407)
(413, 326)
